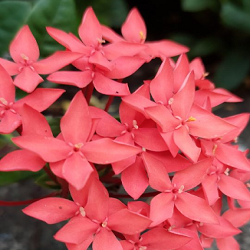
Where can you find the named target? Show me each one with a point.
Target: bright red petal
(7, 89)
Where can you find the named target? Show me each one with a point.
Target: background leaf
(233, 69)
(194, 5)
(12, 177)
(13, 15)
(59, 14)
(235, 18)
(109, 12)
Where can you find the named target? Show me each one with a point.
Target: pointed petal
(9, 122)
(186, 144)
(76, 170)
(105, 151)
(218, 128)
(52, 210)
(184, 98)
(49, 148)
(77, 117)
(231, 156)
(109, 35)
(193, 175)
(76, 230)
(162, 116)
(34, 123)
(114, 50)
(233, 188)
(107, 86)
(134, 28)
(11, 67)
(7, 89)
(134, 179)
(195, 208)
(198, 67)
(210, 188)
(100, 61)
(67, 40)
(82, 246)
(90, 29)
(138, 102)
(180, 72)
(27, 80)
(107, 126)
(159, 238)
(128, 222)
(167, 48)
(222, 230)
(150, 138)
(55, 62)
(161, 208)
(21, 160)
(24, 44)
(98, 194)
(125, 66)
(169, 140)
(161, 87)
(157, 174)
(106, 240)
(40, 99)
(75, 78)
(56, 168)
(238, 217)
(228, 244)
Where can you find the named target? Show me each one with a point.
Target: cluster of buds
(166, 145)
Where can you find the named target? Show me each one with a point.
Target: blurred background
(218, 31)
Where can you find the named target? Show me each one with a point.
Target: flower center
(77, 146)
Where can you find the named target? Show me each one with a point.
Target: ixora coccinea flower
(25, 53)
(70, 153)
(166, 138)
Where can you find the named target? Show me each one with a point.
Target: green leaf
(45, 182)
(235, 18)
(12, 177)
(233, 69)
(13, 15)
(109, 12)
(205, 46)
(54, 123)
(194, 5)
(59, 14)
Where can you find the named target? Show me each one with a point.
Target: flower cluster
(166, 139)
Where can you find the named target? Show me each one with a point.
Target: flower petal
(107, 86)
(90, 29)
(7, 89)
(9, 122)
(24, 44)
(55, 62)
(76, 170)
(27, 80)
(134, 28)
(195, 208)
(77, 117)
(52, 210)
(106, 240)
(49, 148)
(134, 179)
(105, 151)
(21, 160)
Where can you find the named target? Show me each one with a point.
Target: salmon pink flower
(25, 53)
(11, 110)
(71, 153)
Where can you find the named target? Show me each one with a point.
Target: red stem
(89, 92)
(26, 202)
(109, 102)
